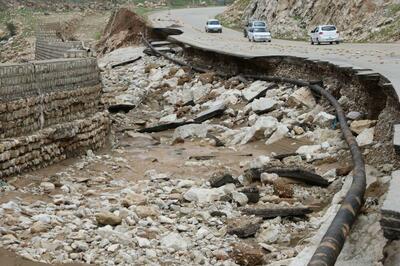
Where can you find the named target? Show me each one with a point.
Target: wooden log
(305, 176)
(270, 213)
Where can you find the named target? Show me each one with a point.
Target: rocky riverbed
(187, 178)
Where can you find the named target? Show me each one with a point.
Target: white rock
(240, 198)
(366, 137)
(166, 220)
(263, 127)
(156, 75)
(151, 253)
(169, 118)
(47, 187)
(202, 233)
(203, 195)
(280, 133)
(324, 119)
(269, 235)
(143, 242)
(185, 183)
(308, 149)
(354, 115)
(44, 218)
(192, 130)
(263, 105)
(254, 89)
(113, 248)
(268, 178)
(174, 241)
(180, 73)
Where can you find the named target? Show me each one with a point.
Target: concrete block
(390, 210)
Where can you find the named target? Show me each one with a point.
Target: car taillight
(321, 33)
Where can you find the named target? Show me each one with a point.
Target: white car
(213, 25)
(325, 34)
(259, 35)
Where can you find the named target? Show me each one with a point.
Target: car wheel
(312, 42)
(318, 42)
(270, 41)
(337, 42)
(220, 31)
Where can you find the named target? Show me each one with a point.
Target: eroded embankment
(369, 94)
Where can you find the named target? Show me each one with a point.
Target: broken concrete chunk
(263, 105)
(257, 89)
(204, 195)
(302, 97)
(353, 115)
(390, 210)
(169, 118)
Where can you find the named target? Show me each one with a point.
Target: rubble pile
(202, 170)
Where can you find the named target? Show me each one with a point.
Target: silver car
(252, 25)
(213, 25)
(325, 34)
(259, 35)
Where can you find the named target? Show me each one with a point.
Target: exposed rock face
(356, 20)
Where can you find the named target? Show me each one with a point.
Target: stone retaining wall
(53, 144)
(23, 80)
(49, 111)
(50, 46)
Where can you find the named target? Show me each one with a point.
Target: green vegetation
(12, 29)
(394, 8)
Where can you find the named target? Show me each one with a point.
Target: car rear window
(328, 28)
(259, 24)
(260, 30)
(213, 22)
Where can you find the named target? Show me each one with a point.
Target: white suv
(213, 25)
(325, 34)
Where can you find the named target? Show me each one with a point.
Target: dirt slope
(123, 29)
(358, 20)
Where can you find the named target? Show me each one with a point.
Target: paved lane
(380, 57)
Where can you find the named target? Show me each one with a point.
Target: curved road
(381, 58)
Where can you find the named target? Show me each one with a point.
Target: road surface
(380, 57)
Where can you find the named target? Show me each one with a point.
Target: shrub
(12, 29)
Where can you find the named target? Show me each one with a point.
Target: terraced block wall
(50, 46)
(49, 110)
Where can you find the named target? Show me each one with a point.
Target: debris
(359, 126)
(366, 137)
(257, 90)
(219, 180)
(247, 255)
(108, 218)
(268, 213)
(305, 176)
(243, 227)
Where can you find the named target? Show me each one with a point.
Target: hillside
(358, 20)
